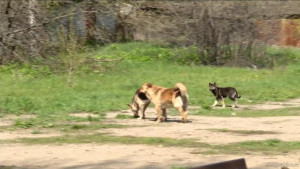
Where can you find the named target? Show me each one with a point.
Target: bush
(275, 56)
(144, 52)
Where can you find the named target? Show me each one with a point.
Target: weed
(36, 132)
(244, 132)
(124, 116)
(27, 123)
(78, 126)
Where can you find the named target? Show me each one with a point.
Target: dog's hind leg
(143, 109)
(235, 103)
(223, 102)
(164, 114)
(183, 114)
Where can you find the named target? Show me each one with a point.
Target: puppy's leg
(159, 113)
(223, 102)
(215, 103)
(183, 114)
(235, 103)
(142, 112)
(164, 113)
(143, 109)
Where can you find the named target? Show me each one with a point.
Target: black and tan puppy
(139, 104)
(223, 92)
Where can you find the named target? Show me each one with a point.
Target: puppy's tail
(238, 96)
(183, 94)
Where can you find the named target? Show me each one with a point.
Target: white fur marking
(216, 102)
(178, 102)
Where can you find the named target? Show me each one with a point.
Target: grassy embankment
(109, 86)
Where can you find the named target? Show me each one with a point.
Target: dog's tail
(183, 93)
(238, 96)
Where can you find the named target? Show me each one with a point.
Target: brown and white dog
(164, 98)
(139, 104)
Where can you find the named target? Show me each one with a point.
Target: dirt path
(204, 129)
(95, 156)
(209, 129)
(274, 105)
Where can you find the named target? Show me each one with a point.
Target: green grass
(272, 146)
(35, 90)
(73, 128)
(112, 90)
(103, 138)
(231, 112)
(124, 116)
(244, 132)
(64, 127)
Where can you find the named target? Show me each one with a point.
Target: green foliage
(143, 52)
(25, 71)
(278, 56)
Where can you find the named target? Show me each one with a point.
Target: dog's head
(146, 87)
(134, 108)
(212, 86)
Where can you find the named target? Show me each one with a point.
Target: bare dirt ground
(110, 156)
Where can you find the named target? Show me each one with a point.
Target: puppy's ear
(149, 85)
(215, 83)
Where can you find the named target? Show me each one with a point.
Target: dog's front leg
(142, 116)
(215, 103)
(159, 112)
(142, 110)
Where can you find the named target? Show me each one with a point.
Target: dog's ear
(149, 85)
(215, 83)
